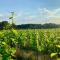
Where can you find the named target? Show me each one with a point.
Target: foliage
(6, 25)
(46, 41)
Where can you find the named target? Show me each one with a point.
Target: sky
(31, 11)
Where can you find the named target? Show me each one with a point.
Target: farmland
(42, 41)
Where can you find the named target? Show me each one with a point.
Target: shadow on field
(23, 54)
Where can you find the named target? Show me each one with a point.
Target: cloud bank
(39, 16)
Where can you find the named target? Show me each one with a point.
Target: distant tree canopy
(6, 25)
(37, 26)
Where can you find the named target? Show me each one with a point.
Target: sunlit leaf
(58, 46)
(53, 54)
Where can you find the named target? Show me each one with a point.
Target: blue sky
(31, 11)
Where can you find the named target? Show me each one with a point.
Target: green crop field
(44, 41)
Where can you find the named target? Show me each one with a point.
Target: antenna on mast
(12, 17)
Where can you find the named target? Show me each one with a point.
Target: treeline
(6, 25)
(37, 26)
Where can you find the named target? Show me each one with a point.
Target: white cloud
(51, 16)
(43, 15)
(1, 15)
(40, 16)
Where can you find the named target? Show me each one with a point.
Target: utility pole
(12, 17)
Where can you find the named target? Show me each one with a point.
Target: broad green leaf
(58, 46)
(53, 54)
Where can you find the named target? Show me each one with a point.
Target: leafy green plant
(44, 41)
